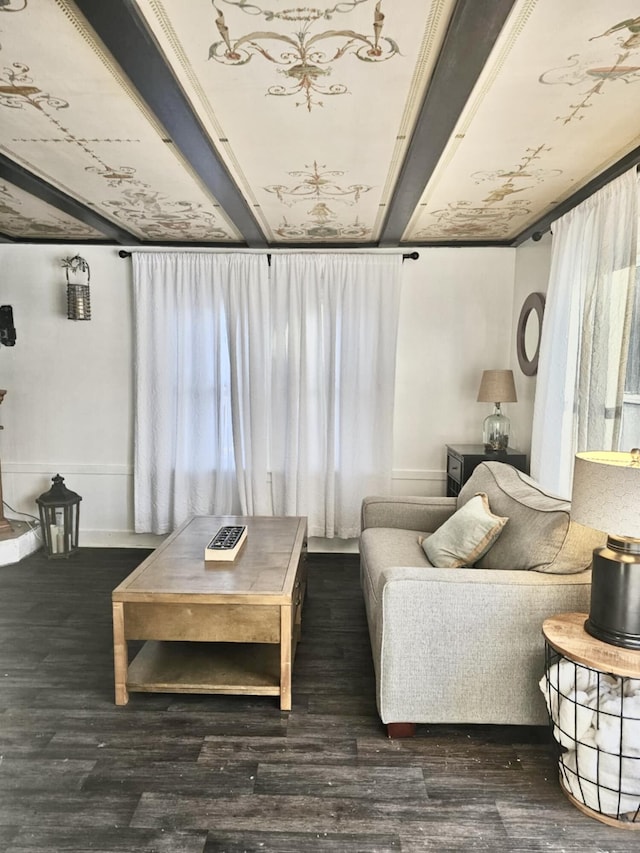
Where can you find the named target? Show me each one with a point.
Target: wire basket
(595, 722)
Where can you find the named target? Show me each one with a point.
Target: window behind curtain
(335, 323)
(236, 368)
(200, 369)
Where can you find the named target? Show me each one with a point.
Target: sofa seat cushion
(383, 547)
(540, 535)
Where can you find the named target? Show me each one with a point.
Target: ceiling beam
(544, 223)
(30, 183)
(474, 27)
(123, 30)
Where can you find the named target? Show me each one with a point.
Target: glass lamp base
(495, 432)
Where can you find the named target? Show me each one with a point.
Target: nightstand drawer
(454, 467)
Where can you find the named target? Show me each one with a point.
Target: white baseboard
(318, 545)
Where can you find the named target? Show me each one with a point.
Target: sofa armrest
(406, 513)
(466, 645)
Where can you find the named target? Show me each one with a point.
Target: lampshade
(606, 492)
(497, 386)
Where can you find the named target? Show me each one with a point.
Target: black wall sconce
(7, 329)
(78, 296)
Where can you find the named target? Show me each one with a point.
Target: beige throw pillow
(466, 536)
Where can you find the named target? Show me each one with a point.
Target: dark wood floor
(206, 774)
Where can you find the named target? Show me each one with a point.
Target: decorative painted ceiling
(343, 123)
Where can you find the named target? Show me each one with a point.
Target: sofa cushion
(540, 534)
(466, 536)
(382, 547)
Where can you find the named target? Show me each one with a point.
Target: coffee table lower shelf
(200, 667)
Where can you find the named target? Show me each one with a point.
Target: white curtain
(585, 333)
(335, 320)
(201, 385)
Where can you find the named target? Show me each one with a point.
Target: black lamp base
(614, 616)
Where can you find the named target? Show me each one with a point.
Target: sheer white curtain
(585, 334)
(201, 385)
(631, 408)
(335, 320)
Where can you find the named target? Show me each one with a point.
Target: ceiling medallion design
(301, 59)
(116, 177)
(13, 5)
(321, 227)
(17, 91)
(18, 222)
(156, 216)
(509, 177)
(466, 219)
(318, 184)
(580, 70)
(462, 219)
(297, 14)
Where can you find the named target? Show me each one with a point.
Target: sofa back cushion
(540, 534)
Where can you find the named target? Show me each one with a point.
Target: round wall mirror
(528, 334)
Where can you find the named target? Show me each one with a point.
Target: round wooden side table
(592, 690)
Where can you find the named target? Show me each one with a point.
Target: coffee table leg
(120, 654)
(286, 638)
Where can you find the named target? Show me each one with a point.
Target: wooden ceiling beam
(30, 183)
(474, 27)
(120, 26)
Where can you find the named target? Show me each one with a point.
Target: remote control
(227, 542)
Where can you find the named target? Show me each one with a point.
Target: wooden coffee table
(213, 627)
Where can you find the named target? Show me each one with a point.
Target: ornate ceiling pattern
(343, 123)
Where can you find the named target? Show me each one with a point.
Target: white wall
(455, 322)
(68, 407)
(69, 392)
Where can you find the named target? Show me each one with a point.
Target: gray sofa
(465, 645)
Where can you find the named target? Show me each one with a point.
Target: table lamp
(496, 386)
(606, 496)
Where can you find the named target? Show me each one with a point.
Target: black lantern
(59, 518)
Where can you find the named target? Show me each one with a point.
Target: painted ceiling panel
(68, 116)
(21, 214)
(555, 105)
(311, 107)
(338, 123)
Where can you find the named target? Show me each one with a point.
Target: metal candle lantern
(78, 296)
(59, 518)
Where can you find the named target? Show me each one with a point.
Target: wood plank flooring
(207, 774)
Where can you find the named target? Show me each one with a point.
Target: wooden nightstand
(463, 458)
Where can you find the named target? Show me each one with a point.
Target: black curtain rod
(408, 256)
